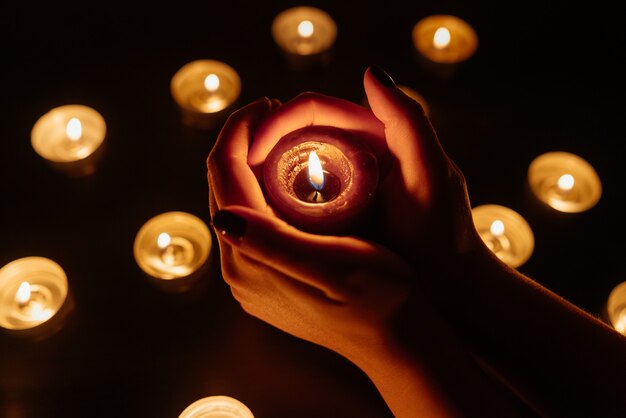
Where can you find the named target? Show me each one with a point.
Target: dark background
(547, 76)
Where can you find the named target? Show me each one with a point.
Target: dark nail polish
(381, 76)
(229, 225)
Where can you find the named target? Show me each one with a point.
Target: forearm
(421, 370)
(562, 359)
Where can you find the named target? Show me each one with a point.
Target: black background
(547, 76)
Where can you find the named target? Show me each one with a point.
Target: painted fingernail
(229, 225)
(381, 76)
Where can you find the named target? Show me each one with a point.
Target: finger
(323, 262)
(316, 109)
(230, 177)
(410, 136)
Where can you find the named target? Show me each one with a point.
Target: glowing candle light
(616, 308)
(32, 290)
(441, 39)
(217, 407)
(68, 133)
(172, 245)
(304, 34)
(564, 181)
(321, 179)
(505, 233)
(205, 87)
(443, 43)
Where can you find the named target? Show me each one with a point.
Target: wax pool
(339, 201)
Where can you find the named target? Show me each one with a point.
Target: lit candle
(304, 32)
(68, 133)
(205, 87)
(505, 233)
(321, 179)
(444, 40)
(32, 290)
(172, 245)
(616, 308)
(564, 181)
(217, 407)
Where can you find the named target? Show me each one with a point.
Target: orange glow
(566, 182)
(497, 228)
(212, 83)
(306, 29)
(163, 240)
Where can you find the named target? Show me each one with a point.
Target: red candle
(321, 179)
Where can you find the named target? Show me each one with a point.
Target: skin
(466, 348)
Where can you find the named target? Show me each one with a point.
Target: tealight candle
(205, 87)
(68, 133)
(445, 39)
(564, 181)
(304, 32)
(172, 245)
(321, 179)
(217, 407)
(505, 232)
(616, 308)
(32, 290)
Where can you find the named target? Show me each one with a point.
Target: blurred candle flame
(316, 174)
(74, 129)
(212, 83)
(23, 293)
(306, 29)
(497, 228)
(442, 38)
(566, 182)
(163, 240)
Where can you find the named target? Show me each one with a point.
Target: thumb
(323, 262)
(409, 133)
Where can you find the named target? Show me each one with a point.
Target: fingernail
(229, 225)
(381, 76)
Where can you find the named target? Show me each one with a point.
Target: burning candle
(564, 182)
(443, 43)
(205, 87)
(68, 133)
(616, 308)
(304, 32)
(505, 232)
(321, 179)
(32, 290)
(172, 245)
(217, 407)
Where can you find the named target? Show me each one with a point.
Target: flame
(74, 129)
(565, 182)
(306, 29)
(316, 174)
(442, 38)
(212, 83)
(163, 240)
(23, 293)
(497, 228)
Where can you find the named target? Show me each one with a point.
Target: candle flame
(74, 129)
(23, 293)
(212, 83)
(442, 38)
(306, 29)
(316, 174)
(497, 228)
(163, 240)
(565, 182)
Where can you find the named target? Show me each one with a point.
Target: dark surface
(546, 77)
